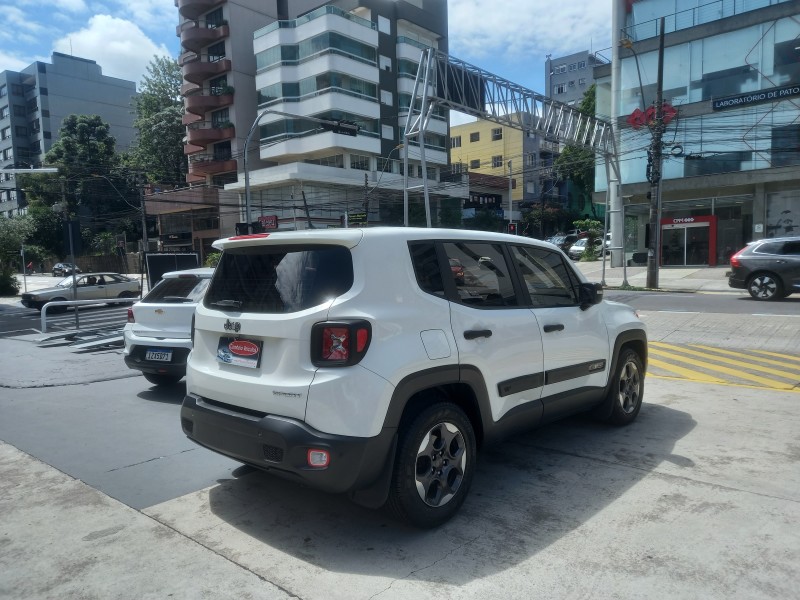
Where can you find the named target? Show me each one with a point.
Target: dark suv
(61, 269)
(768, 269)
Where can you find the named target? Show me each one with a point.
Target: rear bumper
(135, 359)
(280, 445)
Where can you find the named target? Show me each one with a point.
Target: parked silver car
(90, 286)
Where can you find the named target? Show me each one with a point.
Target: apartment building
(493, 154)
(34, 103)
(295, 64)
(731, 153)
(566, 78)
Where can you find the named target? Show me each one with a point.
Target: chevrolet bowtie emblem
(159, 311)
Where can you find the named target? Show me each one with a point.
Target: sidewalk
(684, 279)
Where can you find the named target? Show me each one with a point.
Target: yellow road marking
(770, 361)
(651, 375)
(771, 383)
(766, 352)
(686, 373)
(728, 361)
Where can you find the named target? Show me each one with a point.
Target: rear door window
(178, 290)
(484, 280)
(279, 279)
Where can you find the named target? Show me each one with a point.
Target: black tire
(434, 466)
(765, 286)
(56, 309)
(627, 388)
(162, 379)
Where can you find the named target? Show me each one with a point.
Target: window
(386, 97)
(359, 161)
(34, 125)
(572, 84)
(21, 130)
(43, 91)
(475, 136)
(560, 69)
(220, 118)
(216, 52)
(546, 277)
(530, 187)
(426, 268)
(455, 141)
(16, 89)
(384, 25)
(475, 164)
(561, 88)
(36, 148)
(19, 110)
(485, 272)
(3, 91)
(582, 64)
(5, 133)
(573, 67)
(497, 161)
(530, 160)
(497, 134)
(387, 132)
(7, 154)
(385, 63)
(3, 112)
(582, 81)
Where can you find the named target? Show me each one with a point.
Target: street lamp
(337, 126)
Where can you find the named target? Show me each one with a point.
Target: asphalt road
(697, 499)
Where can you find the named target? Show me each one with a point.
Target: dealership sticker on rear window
(239, 352)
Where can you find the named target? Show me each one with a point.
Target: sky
(509, 38)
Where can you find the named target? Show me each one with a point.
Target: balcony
(196, 35)
(208, 164)
(204, 133)
(189, 88)
(189, 118)
(200, 104)
(197, 69)
(191, 9)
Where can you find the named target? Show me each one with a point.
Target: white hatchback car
(158, 332)
(360, 361)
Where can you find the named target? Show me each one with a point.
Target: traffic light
(512, 228)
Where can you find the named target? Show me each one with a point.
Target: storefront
(689, 241)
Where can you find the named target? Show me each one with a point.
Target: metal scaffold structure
(447, 82)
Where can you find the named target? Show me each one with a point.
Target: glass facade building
(731, 154)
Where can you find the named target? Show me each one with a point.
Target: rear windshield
(279, 279)
(178, 290)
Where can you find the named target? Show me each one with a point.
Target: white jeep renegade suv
(355, 360)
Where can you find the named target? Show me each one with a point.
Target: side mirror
(590, 294)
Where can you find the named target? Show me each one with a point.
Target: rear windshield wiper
(227, 303)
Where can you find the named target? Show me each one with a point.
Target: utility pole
(366, 196)
(145, 241)
(510, 200)
(71, 251)
(654, 163)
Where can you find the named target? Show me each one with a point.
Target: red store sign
(269, 221)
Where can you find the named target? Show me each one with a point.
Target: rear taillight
(339, 343)
(131, 318)
(735, 262)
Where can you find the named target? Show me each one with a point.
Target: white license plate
(158, 355)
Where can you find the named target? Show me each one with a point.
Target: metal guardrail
(81, 302)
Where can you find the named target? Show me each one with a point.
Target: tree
(159, 120)
(484, 220)
(13, 232)
(594, 231)
(576, 163)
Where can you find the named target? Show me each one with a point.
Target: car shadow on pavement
(169, 394)
(527, 494)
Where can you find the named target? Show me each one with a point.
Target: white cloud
(526, 30)
(150, 14)
(117, 45)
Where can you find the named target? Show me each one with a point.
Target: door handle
(551, 328)
(471, 334)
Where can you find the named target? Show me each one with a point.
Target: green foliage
(543, 223)
(84, 146)
(104, 243)
(212, 259)
(159, 113)
(484, 220)
(576, 163)
(9, 284)
(450, 213)
(594, 230)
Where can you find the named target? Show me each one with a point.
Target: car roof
(201, 272)
(351, 237)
